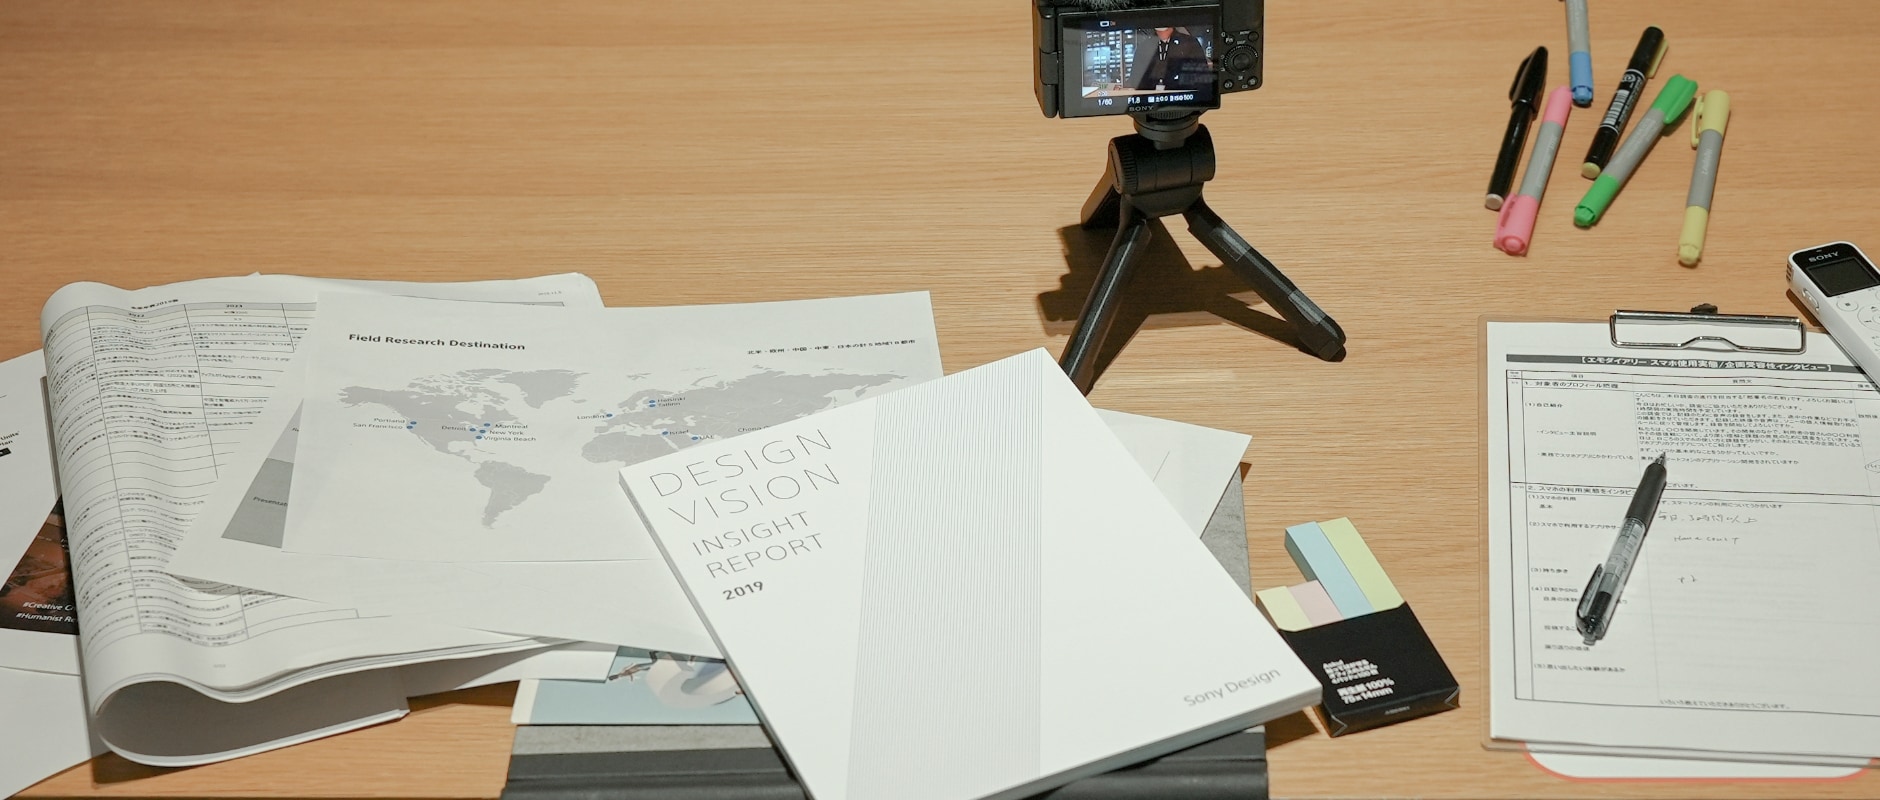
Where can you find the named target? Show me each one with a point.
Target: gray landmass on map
(542, 385)
(443, 422)
(634, 433)
(509, 485)
(454, 409)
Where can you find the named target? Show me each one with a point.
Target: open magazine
(148, 392)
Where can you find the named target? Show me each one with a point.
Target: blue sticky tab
(1318, 561)
(1580, 67)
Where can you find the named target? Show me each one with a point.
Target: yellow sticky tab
(1282, 609)
(1362, 564)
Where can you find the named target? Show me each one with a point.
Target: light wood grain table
(719, 151)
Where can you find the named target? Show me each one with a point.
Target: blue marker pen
(1579, 54)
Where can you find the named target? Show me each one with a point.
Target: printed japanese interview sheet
(1752, 622)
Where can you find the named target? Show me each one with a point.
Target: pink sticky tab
(1315, 602)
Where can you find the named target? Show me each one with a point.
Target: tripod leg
(1099, 314)
(1318, 333)
(1102, 207)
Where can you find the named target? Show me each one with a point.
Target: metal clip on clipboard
(1702, 328)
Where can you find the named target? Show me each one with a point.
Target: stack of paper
(293, 503)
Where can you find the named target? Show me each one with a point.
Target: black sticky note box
(1378, 669)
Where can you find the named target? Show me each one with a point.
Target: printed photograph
(38, 594)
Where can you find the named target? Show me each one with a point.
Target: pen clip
(1586, 597)
(1710, 110)
(1697, 121)
(1658, 57)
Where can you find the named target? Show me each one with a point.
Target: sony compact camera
(1099, 57)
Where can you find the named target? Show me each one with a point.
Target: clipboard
(1703, 328)
(1705, 332)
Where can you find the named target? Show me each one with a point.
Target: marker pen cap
(1712, 113)
(1580, 67)
(1596, 200)
(1675, 97)
(1516, 228)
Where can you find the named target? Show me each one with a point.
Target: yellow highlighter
(1708, 118)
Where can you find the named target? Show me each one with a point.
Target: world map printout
(502, 445)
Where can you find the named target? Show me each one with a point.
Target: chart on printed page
(496, 436)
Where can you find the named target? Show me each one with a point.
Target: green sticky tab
(1597, 198)
(1363, 565)
(1675, 98)
(1283, 610)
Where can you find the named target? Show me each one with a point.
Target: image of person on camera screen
(1172, 60)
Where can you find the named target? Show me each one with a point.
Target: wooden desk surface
(721, 150)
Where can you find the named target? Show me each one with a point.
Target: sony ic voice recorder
(1839, 283)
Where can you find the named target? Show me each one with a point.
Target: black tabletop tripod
(1157, 172)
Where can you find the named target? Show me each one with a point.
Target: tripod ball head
(1142, 165)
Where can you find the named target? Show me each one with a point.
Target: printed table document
(1751, 623)
(149, 391)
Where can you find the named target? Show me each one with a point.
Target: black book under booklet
(1232, 767)
(738, 762)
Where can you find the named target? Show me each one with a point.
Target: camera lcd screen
(1842, 275)
(1143, 60)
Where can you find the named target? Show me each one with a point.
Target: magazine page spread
(149, 391)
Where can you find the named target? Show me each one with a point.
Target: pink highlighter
(1516, 226)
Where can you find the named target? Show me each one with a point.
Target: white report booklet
(1189, 464)
(856, 564)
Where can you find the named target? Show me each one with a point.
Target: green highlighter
(1672, 100)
